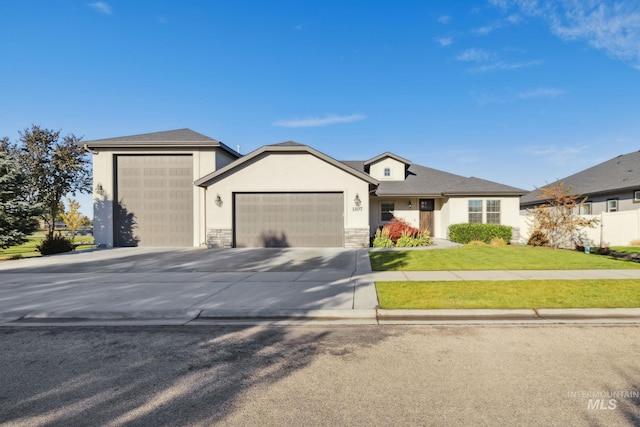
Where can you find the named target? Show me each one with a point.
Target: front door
(427, 206)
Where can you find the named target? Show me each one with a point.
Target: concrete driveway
(177, 285)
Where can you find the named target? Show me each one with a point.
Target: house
(181, 188)
(611, 186)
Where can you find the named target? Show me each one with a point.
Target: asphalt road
(347, 375)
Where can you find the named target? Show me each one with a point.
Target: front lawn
(28, 249)
(494, 258)
(609, 293)
(626, 249)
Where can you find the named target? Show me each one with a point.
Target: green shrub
(464, 233)
(382, 239)
(55, 245)
(538, 238)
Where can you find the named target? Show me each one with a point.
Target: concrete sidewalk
(284, 286)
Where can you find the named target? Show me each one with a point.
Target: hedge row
(465, 233)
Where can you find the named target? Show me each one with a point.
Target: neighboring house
(180, 188)
(611, 186)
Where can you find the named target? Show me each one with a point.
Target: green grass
(28, 249)
(610, 293)
(626, 249)
(493, 258)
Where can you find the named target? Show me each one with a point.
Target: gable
(387, 169)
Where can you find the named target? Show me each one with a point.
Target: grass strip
(494, 258)
(600, 293)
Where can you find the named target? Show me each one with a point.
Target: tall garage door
(155, 201)
(289, 219)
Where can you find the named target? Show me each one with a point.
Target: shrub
(464, 233)
(635, 243)
(55, 245)
(382, 239)
(497, 241)
(538, 238)
(397, 227)
(476, 243)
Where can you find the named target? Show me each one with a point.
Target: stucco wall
(204, 162)
(287, 172)
(376, 170)
(458, 210)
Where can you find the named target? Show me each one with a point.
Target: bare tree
(556, 216)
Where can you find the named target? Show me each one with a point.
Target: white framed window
(586, 208)
(612, 205)
(387, 171)
(386, 210)
(475, 211)
(493, 211)
(636, 196)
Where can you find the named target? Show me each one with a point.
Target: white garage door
(154, 200)
(289, 219)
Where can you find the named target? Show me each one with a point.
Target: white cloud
(487, 29)
(608, 25)
(298, 27)
(503, 65)
(557, 155)
(475, 55)
(541, 92)
(101, 7)
(330, 119)
(444, 19)
(444, 41)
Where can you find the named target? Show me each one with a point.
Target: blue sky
(521, 92)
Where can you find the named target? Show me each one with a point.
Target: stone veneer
(356, 237)
(515, 235)
(219, 238)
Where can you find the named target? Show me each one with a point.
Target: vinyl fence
(613, 228)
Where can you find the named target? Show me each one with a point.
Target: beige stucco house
(181, 188)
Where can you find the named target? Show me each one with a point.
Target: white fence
(613, 228)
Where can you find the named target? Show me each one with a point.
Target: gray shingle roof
(618, 174)
(424, 181)
(171, 138)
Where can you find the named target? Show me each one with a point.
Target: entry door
(427, 206)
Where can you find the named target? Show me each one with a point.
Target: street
(582, 374)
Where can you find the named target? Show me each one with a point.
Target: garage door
(155, 201)
(289, 219)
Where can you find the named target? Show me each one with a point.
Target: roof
(171, 138)
(618, 174)
(285, 147)
(385, 155)
(424, 181)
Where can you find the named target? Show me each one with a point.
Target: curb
(588, 313)
(317, 314)
(443, 314)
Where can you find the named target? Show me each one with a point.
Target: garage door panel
(155, 200)
(289, 219)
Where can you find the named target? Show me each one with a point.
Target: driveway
(178, 285)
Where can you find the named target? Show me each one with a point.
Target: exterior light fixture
(218, 200)
(99, 189)
(410, 205)
(357, 200)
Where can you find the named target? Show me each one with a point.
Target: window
(585, 208)
(475, 211)
(612, 205)
(387, 171)
(636, 196)
(493, 211)
(386, 209)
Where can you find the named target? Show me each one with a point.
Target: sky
(521, 92)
